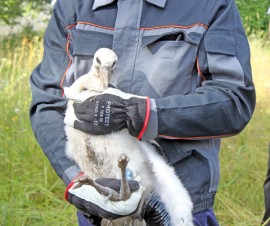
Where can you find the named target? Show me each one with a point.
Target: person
(191, 60)
(266, 217)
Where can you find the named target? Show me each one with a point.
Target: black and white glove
(94, 205)
(112, 111)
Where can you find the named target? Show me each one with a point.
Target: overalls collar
(100, 3)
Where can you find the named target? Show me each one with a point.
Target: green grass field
(32, 194)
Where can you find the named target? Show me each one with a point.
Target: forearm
(47, 115)
(211, 111)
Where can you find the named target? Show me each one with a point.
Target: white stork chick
(97, 156)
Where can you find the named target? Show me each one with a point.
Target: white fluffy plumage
(97, 156)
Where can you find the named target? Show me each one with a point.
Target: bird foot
(123, 161)
(83, 180)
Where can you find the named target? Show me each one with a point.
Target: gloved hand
(94, 205)
(112, 111)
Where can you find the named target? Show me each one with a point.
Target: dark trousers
(205, 218)
(267, 194)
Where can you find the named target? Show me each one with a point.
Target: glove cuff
(151, 131)
(70, 185)
(154, 212)
(146, 119)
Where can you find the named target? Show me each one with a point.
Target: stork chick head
(104, 62)
(103, 65)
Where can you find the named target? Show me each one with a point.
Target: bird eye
(113, 64)
(98, 60)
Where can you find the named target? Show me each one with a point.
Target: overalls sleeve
(48, 104)
(223, 103)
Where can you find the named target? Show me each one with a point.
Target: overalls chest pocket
(168, 59)
(84, 44)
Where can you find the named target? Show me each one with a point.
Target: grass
(240, 199)
(30, 191)
(32, 194)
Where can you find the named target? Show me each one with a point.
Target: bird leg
(113, 195)
(124, 189)
(86, 180)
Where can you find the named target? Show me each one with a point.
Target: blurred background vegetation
(254, 15)
(10, 9)
(30, 191)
